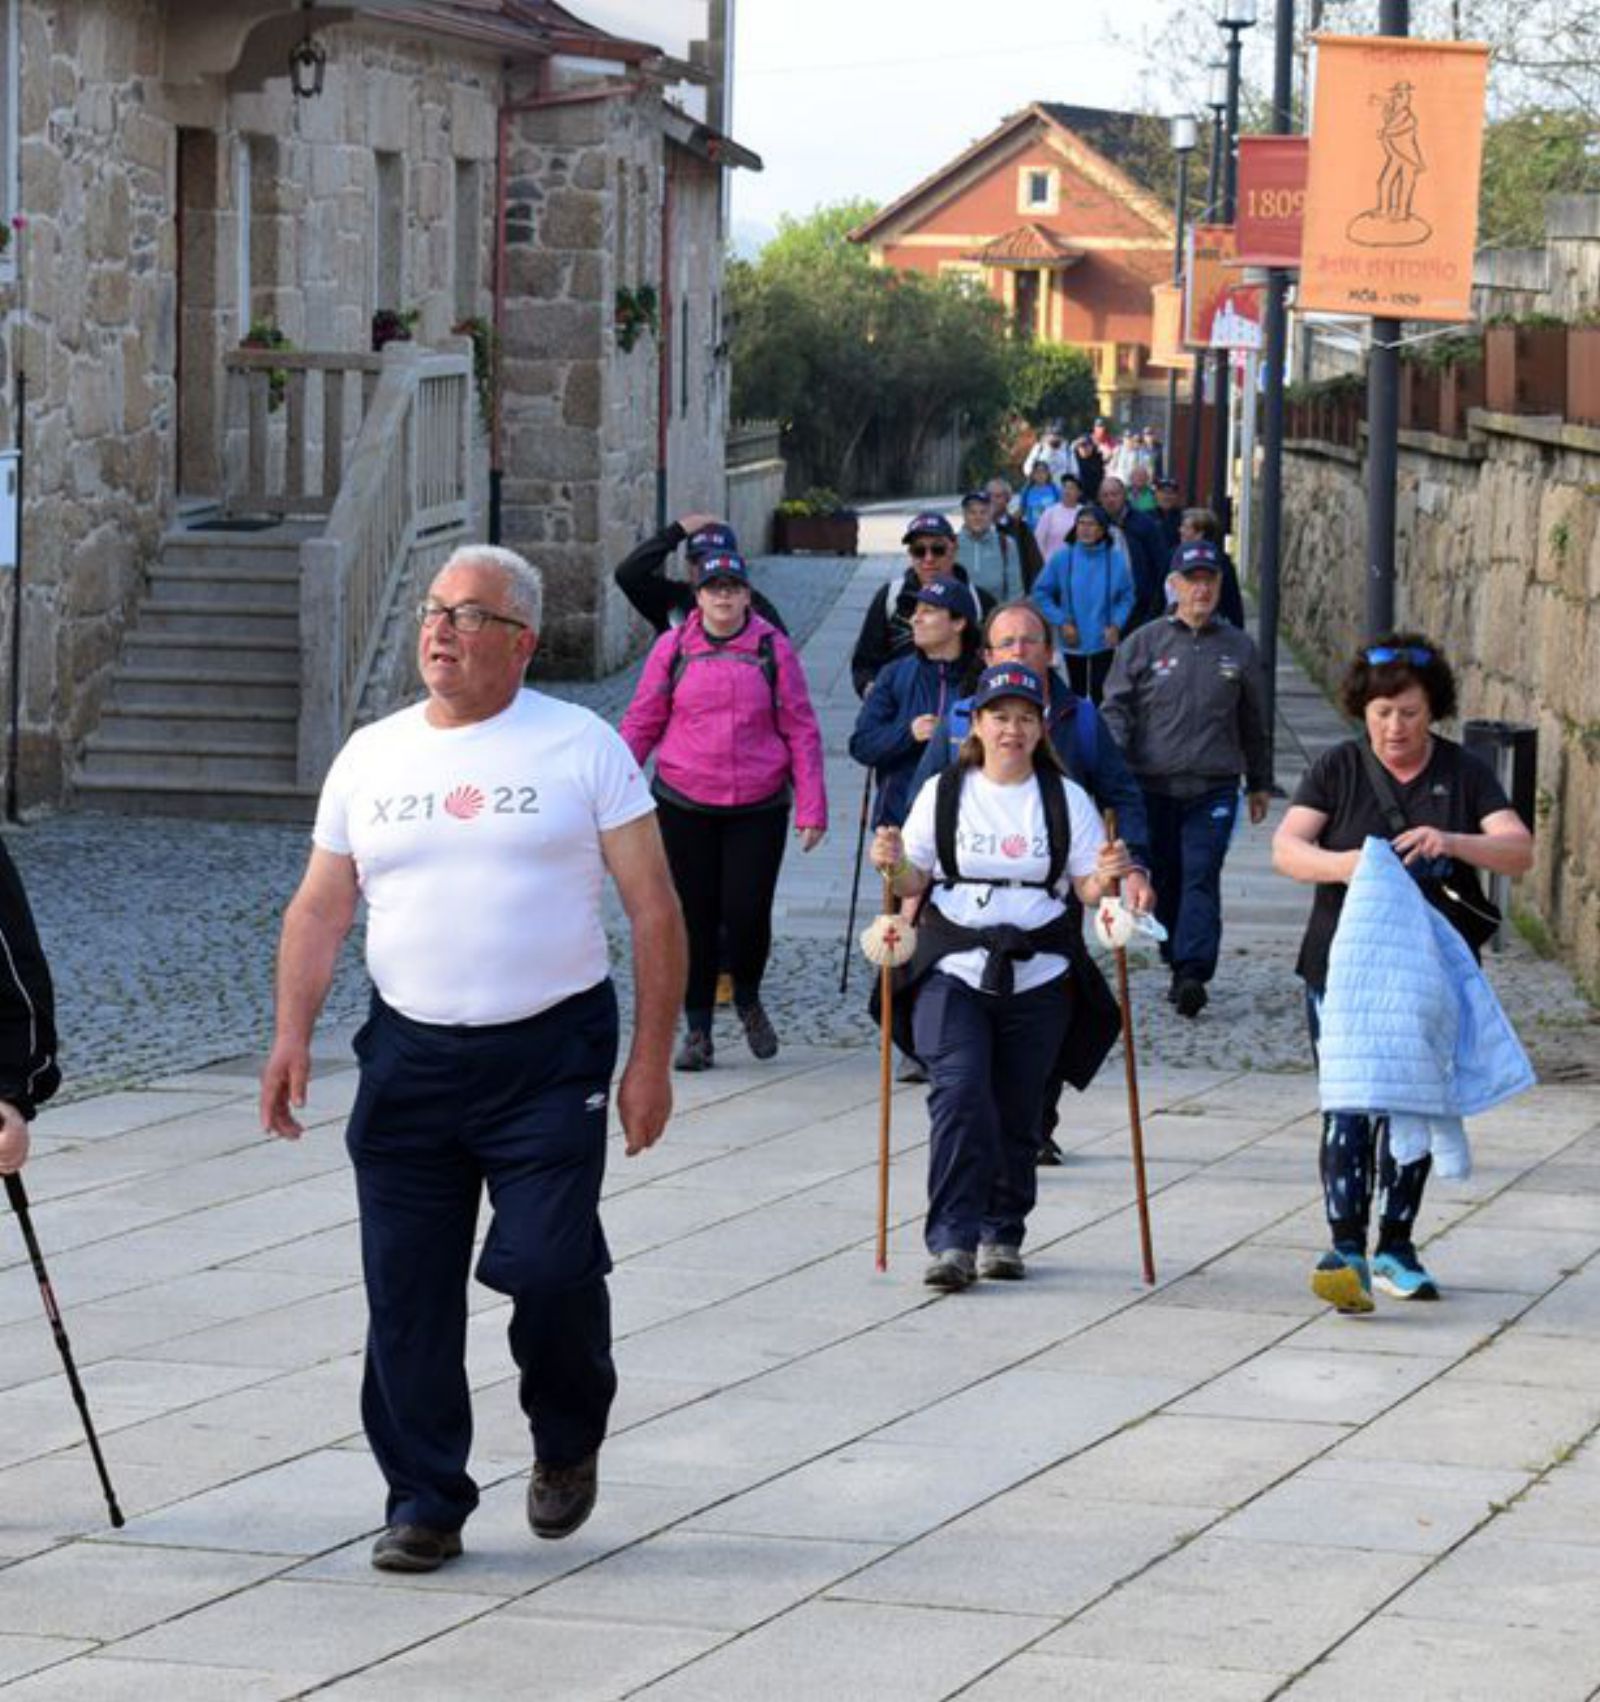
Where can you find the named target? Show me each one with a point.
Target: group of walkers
(478, 827)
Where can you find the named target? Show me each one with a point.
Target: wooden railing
(292, 418)
(404, 493)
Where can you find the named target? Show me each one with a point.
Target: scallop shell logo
(1014, 845)
(464, 803)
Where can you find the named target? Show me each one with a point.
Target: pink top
(1054, 524)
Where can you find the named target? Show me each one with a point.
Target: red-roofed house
(1048, 214)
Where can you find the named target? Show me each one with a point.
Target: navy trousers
(987, 1060)
(1188, 841)
(441, 1113)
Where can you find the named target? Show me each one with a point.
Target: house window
(388, 233)
(967, 277)
(469, 236)
(1037, 189)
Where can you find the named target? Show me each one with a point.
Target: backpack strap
(765, 658)
(947, 807)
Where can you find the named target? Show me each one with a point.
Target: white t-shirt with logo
(1001, 834)
(478, 852)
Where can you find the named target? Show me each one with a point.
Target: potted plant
(1525, 363)
(635, 312)
(267, 334)
(817, 522)
(391, 325)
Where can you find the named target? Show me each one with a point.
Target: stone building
(219, 546)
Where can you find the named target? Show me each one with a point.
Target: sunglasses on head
(922, 550)
(1379, 654)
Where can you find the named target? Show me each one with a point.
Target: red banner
(1223, 311)
(1272, 199)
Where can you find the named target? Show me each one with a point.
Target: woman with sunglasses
(722, 703)
(930, 542)
(1461, 822)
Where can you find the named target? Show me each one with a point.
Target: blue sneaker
(1343, 1280)
(1400, 1274)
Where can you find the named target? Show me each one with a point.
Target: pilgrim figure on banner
(1392, 223)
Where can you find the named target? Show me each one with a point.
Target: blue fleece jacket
(1087, 586)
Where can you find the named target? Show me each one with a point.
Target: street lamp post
(1217, 100)
(1185, 138)
(1235, 17)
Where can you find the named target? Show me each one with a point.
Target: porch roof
(1029, 245)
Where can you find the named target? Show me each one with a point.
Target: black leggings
(1354, 1153)
(725, 866)
(1087, 674)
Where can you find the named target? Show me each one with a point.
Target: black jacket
(886, 629)
(28, 1073)
(1027, 547)
(642, 579)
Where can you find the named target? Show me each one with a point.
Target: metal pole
(1248, 391)
(1191, 483)
(1230, 189)
(1383, 421)
(1277, 350)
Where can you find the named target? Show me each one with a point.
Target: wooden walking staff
(1107, 922)
(889, 942)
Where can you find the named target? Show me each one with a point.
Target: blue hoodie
(1088, 586)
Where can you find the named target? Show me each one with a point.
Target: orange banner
(1166, 327)
(1392, 189)
(1223, 311)
(1272, 199)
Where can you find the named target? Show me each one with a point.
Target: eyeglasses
(922, 551)
(463, 617)
(1380, 654)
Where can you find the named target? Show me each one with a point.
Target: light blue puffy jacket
(1410, 1024)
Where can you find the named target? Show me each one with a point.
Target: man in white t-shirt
(478, 825)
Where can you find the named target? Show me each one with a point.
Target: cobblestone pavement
(161, 933)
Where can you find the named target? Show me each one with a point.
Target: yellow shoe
(724, 988)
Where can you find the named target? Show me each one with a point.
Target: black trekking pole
(18, 1196)
(855, 882)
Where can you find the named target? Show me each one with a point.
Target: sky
(845, 98)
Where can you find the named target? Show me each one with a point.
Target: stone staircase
(203, 712)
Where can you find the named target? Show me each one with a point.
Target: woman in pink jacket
(723, 705)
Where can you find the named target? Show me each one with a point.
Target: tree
(1049, 381)
(1525, 158)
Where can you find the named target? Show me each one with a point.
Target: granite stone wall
(1498, 559)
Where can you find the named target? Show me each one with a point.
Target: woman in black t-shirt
(1461, 822)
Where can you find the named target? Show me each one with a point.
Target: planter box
(816, 534)
(1583, 374)
(1525, 369)
(1460, 388)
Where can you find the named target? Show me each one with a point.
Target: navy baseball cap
(1198, 557)
(950, 595)
(1008, 679)
(977, 496)
(1165, 484)
(930, 524)
(712, 540)
(723, 565)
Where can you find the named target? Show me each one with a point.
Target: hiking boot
(1190, 997)
(1343, 1280)
(1049, 1152)
(952, 1270)
(759, 1033)
(696, 1052)
(1000, 1262)
(560, 1498)
(1400, 1274)
(415, 1548)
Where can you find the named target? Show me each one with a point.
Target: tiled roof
(1028, 245)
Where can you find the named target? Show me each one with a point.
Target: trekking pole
(19, 1204)
(1131, 1069)
(855, 880)
(889, 942)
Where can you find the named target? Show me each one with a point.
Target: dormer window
(1037, 189)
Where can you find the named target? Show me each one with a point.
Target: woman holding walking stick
(1000, 972)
